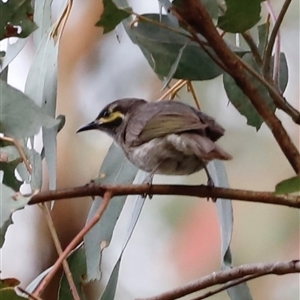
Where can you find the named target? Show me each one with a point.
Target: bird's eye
(106, 113)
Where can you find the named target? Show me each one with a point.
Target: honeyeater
(166, 137)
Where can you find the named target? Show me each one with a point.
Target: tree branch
(193, 13)
(220, 277)
(184, 190)
(73, 244)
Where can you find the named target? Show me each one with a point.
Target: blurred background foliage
(177, 239)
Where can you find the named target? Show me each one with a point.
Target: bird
(165, 137)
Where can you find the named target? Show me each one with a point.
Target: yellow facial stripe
(112, 117)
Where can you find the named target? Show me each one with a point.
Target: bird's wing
(162, 124)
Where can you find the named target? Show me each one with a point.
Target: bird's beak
(89, 126)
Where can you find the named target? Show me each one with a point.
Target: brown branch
(72, 245)
(193, 13)
(220, 277)
(184, 190)
(269, 49)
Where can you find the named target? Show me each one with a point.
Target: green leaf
(7, 289)
(225, 214)
(77, 265)
(10, 202)
(112, 16)
(9, 177)
(242, 103)
(240, 15)
(115, 169)
(161, 48)
(16, 19)
(20, 117)
(288, 186)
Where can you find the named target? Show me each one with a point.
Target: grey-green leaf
(288, 186)
(115, 169)
(242, 103)
(10, 202)
(161, 48)
(20, 117)
(225, 214)
(240, 15)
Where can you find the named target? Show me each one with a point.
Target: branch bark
(221, 277)
(194, 14)
(184, 190)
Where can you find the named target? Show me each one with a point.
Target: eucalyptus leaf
(77, 265)
(111, 287)
(240, 15)
(16, 19)
(242, 103)
(12, 51)
(42, 17)
(217, 171)
(288, 186)
(162, 46)
(41, 86)
(112, 16)
(9, 177)
(10, 202)
(115, 169)
(20, 117)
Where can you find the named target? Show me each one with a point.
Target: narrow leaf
(110, 289)
(225, 213)
(115, 169)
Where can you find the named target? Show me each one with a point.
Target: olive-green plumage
(166, 137)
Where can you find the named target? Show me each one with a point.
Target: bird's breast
(168, 155)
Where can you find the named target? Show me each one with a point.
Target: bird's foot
(148, 180)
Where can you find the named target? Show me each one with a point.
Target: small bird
(166, 137)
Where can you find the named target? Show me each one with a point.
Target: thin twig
(20, 150)
(59, 250)
(252, 45)
(220, 277)
(192, 90)
(226, 286)
(174, 89)
(269, 49)
(164, 189)
(76, 240)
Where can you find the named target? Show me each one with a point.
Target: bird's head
(112, 118)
